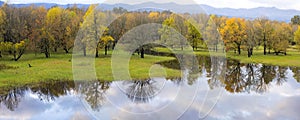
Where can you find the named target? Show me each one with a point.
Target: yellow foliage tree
(234, 33)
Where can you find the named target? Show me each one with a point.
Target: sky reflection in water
(274, 95)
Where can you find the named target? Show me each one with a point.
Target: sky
(282, 4)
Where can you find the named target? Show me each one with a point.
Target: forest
(35, 29)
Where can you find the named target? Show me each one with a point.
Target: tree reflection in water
(94, 93)
(296, 72)
(239, 77)
(46, 92)
(12, 98)
(141, 91)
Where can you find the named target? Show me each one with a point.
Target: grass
(291, 59)
(59, 67)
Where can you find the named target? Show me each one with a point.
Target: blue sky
(283, 4)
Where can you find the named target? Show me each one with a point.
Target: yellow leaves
(20, 45)
(106, 39)
(297, 37)
(234, 30)
(7, 46)
(153, 15)
(54, 15)
(90, 11)
(2, 17)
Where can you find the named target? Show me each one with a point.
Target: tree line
(40, 30)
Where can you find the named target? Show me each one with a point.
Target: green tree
(297, 37)
(193, 35)
(296, 20)
(211, 33)
(2, 28)
(251, 40)
(264, 27)
(280, 38)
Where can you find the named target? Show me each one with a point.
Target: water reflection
(94, 93)
(12, 98)
(239, 77)
(274, 84)
(141, 91)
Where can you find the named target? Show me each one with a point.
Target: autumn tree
(2, 30)
(117, 28)
(193, 35)
(297, 37)
(17, 29)
(169, 33)
(105, 41)
(55, 27)
(264, 30)
(94, 26)
(251, 40)
(234, 33)
(280, 37)
(165, 31)
(38, 23)
(71, 22)
(211, 33)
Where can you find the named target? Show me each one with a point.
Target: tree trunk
(239, 49)
(142, 53)
(216, 48)
(55, 49)
(15, 56)
(66, 50)
(84, 51)
(105, 49)
(265, 46)
(0, 54)
(250, 50)
(97, 52)
(249, 54)
(47, 54)
(114, 44)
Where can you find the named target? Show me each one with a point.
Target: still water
(247, 91)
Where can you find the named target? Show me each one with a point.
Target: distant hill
(270, 12)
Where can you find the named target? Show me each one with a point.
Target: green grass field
(59, 67)
(291, 59)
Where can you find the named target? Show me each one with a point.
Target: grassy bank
(291, 59)
(59, 67)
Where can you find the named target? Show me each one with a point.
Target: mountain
(270, 12)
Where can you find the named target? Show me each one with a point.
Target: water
(247, 91)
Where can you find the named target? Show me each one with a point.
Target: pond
(248, 91)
